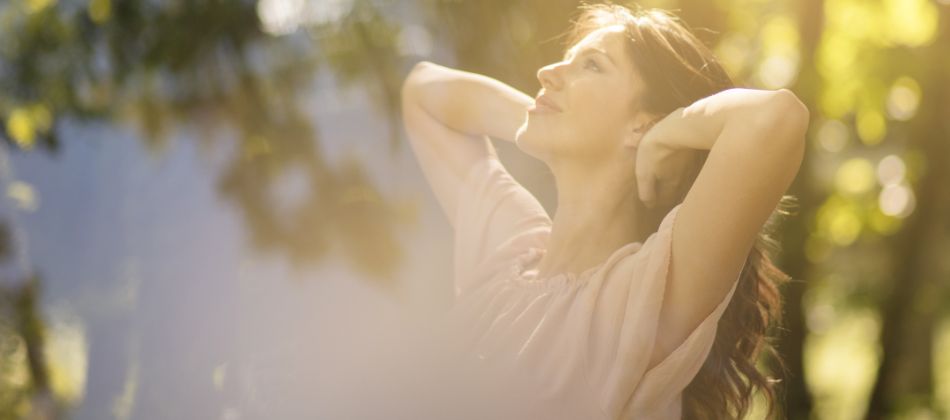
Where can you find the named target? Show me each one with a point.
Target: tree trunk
(910, 312)
(797, 399)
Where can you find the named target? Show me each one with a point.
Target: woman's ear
(638, 128)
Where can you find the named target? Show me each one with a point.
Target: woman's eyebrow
(590, 50)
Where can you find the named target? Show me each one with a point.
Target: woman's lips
(544, 105)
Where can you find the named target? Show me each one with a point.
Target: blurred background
(208, 208)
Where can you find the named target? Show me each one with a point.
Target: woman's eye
(590, 61)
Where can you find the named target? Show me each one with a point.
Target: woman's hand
(662, 161)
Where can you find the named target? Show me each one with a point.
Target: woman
(650, 293)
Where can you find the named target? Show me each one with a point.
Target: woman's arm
(448, 116)
(757, 143)
(699, 125)
(470, 103)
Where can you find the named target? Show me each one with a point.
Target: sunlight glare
(282, 17)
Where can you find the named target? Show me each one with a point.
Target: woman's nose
(548, 76)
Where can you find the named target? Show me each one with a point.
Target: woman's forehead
(610, 38)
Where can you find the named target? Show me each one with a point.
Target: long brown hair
(678, 69)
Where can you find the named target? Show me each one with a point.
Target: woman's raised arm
(448, 116)
(467, 102)
(756, 141)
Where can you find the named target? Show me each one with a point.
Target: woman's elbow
(786, 114)
(421, 72)
(793, 110)
(412, 78)
(409, 81)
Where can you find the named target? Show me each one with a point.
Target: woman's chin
(520, 137)
(524, 143)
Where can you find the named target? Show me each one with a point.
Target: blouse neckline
(524, 271)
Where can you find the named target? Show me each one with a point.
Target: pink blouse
(573, 345)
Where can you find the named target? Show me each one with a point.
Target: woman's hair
(677, 70)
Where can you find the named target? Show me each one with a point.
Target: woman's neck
(597, 213)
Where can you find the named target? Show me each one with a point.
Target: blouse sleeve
(619, 364)
(496, 219)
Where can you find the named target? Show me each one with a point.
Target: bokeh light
(832, 135)
(855, 176)
(903, 99)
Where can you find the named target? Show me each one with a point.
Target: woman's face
(594, 87)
